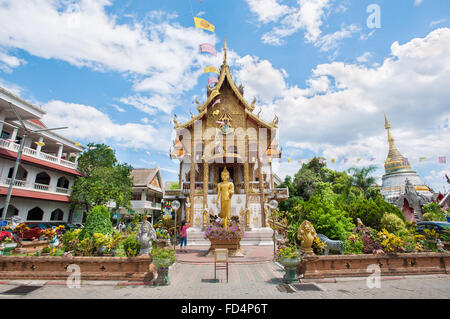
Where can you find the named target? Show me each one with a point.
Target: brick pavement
(255, 281)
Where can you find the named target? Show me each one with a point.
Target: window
(12, 211)
(63, 183)
(21, 173)
(5, 135)
(35, 214)
(57, 215)
(43, 178)
(136, 196)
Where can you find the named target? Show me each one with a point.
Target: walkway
(253, 254)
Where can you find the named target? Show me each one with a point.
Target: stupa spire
(395, 159)
(225, 52)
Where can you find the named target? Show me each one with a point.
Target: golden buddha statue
(225, 191)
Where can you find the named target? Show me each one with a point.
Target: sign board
(221, 255)
(3, 223)
(77, 217)
(116, 216)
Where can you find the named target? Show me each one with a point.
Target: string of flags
(405, 161)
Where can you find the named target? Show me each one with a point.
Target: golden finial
(225, 52)
(386, 122)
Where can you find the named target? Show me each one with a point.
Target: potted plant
(162, 238)
(289, 257)
(225, 238)
(163, 258)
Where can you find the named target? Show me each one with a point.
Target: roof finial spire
(225, 52)
(386, 122)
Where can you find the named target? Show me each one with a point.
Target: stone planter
(424, 263)
(233, 246)
(290, 268)
(27, 247)
(91, 268)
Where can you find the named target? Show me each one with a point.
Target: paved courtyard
(254, 281)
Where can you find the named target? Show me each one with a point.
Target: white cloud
(267, 10)
(340, 112)
(159, 54)
(88, 123)
(365, 57)
(332, 41)
(418, 2)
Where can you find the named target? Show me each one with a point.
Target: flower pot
(233, 246)
(8, 248)
(162, 263)
(290, 269)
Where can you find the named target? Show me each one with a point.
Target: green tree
(98, 221)
(361, 178)
(433, 212)
(103, 180)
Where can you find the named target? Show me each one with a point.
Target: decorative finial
(225, 52)
(386, 122)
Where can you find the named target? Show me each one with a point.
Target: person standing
(183, 235)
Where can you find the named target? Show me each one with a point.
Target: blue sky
(117, 71)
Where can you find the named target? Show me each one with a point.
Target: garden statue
(225, 192)
(188, 210)
(146, 234)
(440, 245)
(16, 221)
(306, 234)
(331, 244)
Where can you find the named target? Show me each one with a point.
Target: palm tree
(361, 178)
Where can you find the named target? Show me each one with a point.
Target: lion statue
(306, 234)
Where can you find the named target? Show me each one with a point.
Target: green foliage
(103, 179)
(70, 239)
(288, 252)
(353, 247)
(132, 246)
(45, 250)
(97, 221)
(433, 212)
(174, 186)
(392, 223)
(163, 257)
(324, 214)
(371, 211)
(361, 178)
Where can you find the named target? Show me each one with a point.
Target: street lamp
(19, 154)
(175, 206)
(273, 204)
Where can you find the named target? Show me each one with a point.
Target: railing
(33, 153)
(62, 190)
(41, 187)
(17, 182)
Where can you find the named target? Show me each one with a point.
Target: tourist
(183, 235)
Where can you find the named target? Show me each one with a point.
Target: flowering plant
(162, 233)
(217, 231)
(288, 252)
(390, 242)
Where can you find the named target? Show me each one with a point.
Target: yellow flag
(203, 24)
(77, 144)
(357, 160)
(421, 159)
(40, 143)
(289, 159)
(333, 160)
(209, 69)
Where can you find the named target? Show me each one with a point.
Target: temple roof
(395, 161)
(225, 74)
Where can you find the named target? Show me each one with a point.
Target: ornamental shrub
(97, 221)
(432, 212)
(392, 223)
(132, 246)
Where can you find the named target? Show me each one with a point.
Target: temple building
(401, 186)
(226, 135)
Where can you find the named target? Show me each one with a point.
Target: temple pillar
(261, 190)
(205, 183)
(192, 175)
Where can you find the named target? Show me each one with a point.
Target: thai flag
(345, 160)
(442, 160)
(405, 161)
(299, 160)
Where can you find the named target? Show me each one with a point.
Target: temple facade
(226, 134)
(402, 186)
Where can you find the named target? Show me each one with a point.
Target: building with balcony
(147, 192)
(48, 165)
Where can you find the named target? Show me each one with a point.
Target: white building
(147, 192)
(48, 165)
